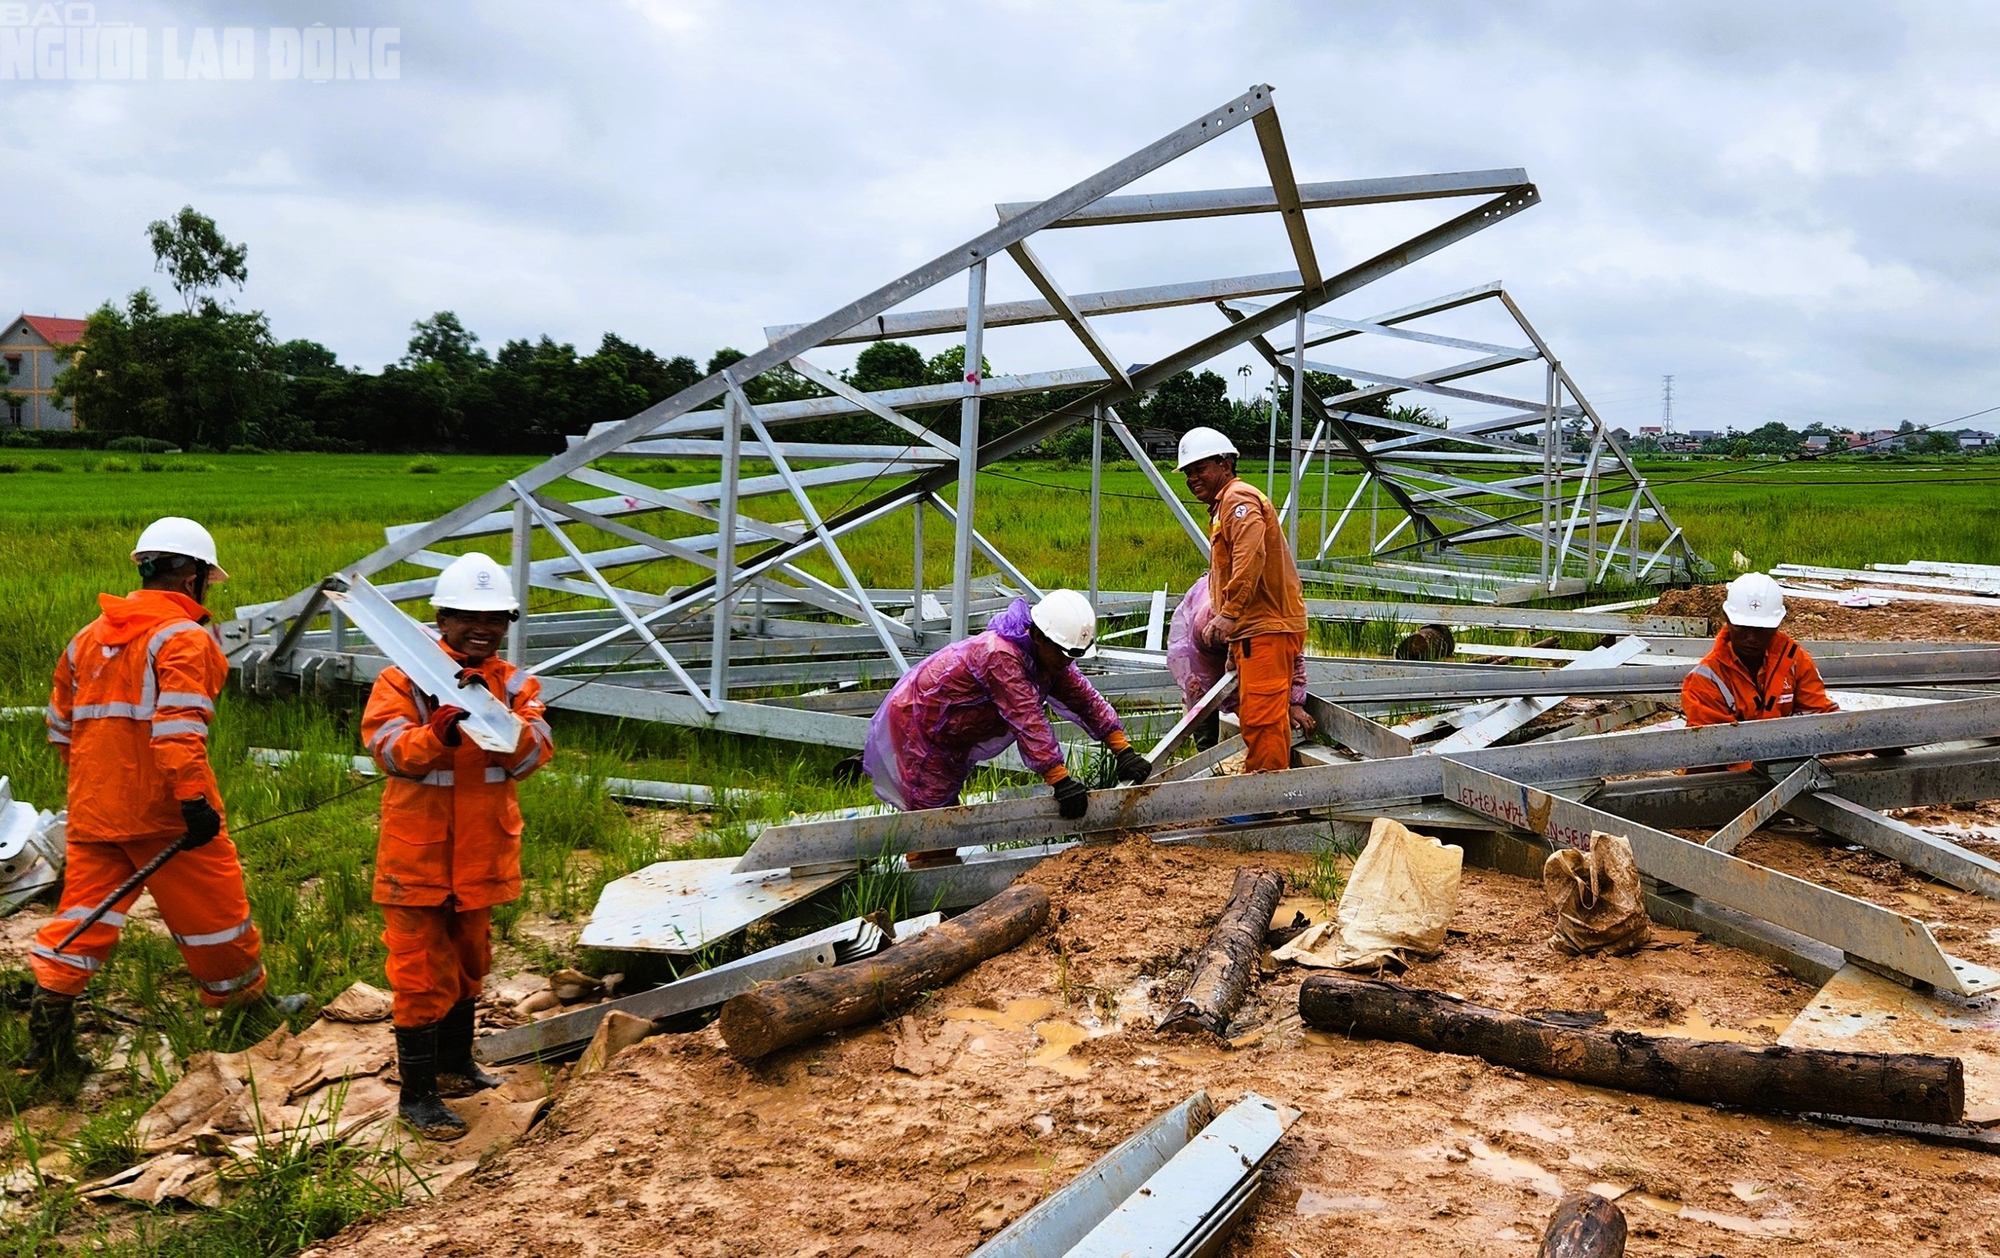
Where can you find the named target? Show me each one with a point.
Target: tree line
(211, 376)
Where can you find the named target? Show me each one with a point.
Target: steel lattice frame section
(760, 618)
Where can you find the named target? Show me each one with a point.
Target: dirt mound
(924, 1135)
(1815, 619)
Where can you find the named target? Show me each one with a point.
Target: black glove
(1133, 767)
(202, 821)
(1072, 799)
(444, 723)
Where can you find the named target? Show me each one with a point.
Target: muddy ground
(924, 1136)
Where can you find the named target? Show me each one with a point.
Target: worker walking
(1197, 658)
(972, 700)
(1259, 605)
(450, 845)
(129, 712)
(1754, 672)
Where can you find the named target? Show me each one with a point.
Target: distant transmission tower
(1667, 405)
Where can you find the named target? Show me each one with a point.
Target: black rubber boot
(458, 1074)
(52, 1037)
(416, 1061)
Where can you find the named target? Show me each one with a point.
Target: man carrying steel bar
(129, 711)
(450, 847)
(1260, 606)
(971, 701)
(1198, 658)
(1754, 672)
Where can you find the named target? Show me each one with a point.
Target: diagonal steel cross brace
(1810, 776)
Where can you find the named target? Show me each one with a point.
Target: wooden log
(793, 1009)
(1584, 1225)
(1226, 965)
(1911, 1086)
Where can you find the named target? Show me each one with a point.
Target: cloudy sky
(1791, 208)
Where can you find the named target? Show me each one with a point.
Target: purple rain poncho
(1196, 666)
(965, 705)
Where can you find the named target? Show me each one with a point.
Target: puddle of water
(1695, 1025)
(1749, 1190)
(1289, 906)
(1741, 1224)
(1313, 1203)
(1508, 1169)
(1195, 1059)
(1327, 1039)
(1610, 1191)
(1017, 1015)
(1512, 1233)
(1057, 1039)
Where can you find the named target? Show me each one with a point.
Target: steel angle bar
(634, 496)
(840, 388)
(797, 451)
(1157, 207)
(1067, 1215)
(1604, 722)
(1285, 189)
(1202, 761)
(489, 723)
(567, 1033)
(617, 600)
(1858, 928)
(672, 548)
(1196, 534)
(1502, 618)
(1404, 778)
(1356, 732)
(1427, 383)
(833, 406)
(1809, 776)
(1920, 850)
(1185, 139)
(1206, 706)
(1518, 712)
(1031, 265)
(1018, 313)
(1196, 1183)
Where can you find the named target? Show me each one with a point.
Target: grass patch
(424, 467)
(1327, 866)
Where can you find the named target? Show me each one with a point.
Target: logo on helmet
(485, 580)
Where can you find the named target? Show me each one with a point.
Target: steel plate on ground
(1859, 1011)
(682, 906)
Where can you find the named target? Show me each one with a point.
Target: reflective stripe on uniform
(54, 718)
(86, 964)
(224, 986)
(82, 911)
(494, 773)
(1728, 696)
(185, 699)
(213, 938)
(57, 736)
(438, 777)
(390, 728)
(124, 711)
(149, 686)
(515, 680)
(167, 729)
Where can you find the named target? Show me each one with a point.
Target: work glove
(1072, 799)
(444, 723)
(1133, 767)
(202, 821)
(471, 677)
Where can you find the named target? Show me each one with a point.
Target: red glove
(444, 723)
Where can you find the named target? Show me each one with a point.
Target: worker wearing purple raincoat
(1197, 662)
(967, 703)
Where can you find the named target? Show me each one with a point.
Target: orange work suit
(129, 712)
(1720, 691)
(1252, 581)
(450, 847)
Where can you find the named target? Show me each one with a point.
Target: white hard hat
(1202, 443)
(1755, 602)
(1066, 619)
(178, 535)
(474, 583)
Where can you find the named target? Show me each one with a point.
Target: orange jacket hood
(140, 612)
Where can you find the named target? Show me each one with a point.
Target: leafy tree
(195, 255)
(443, 340)
(661, 378)
(890, 365)
(1934, 443)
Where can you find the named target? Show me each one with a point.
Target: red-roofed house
(32, 350)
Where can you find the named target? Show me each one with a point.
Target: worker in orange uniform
(129, 712)
(1260, 607)
(1754, 672)
(450, 847)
